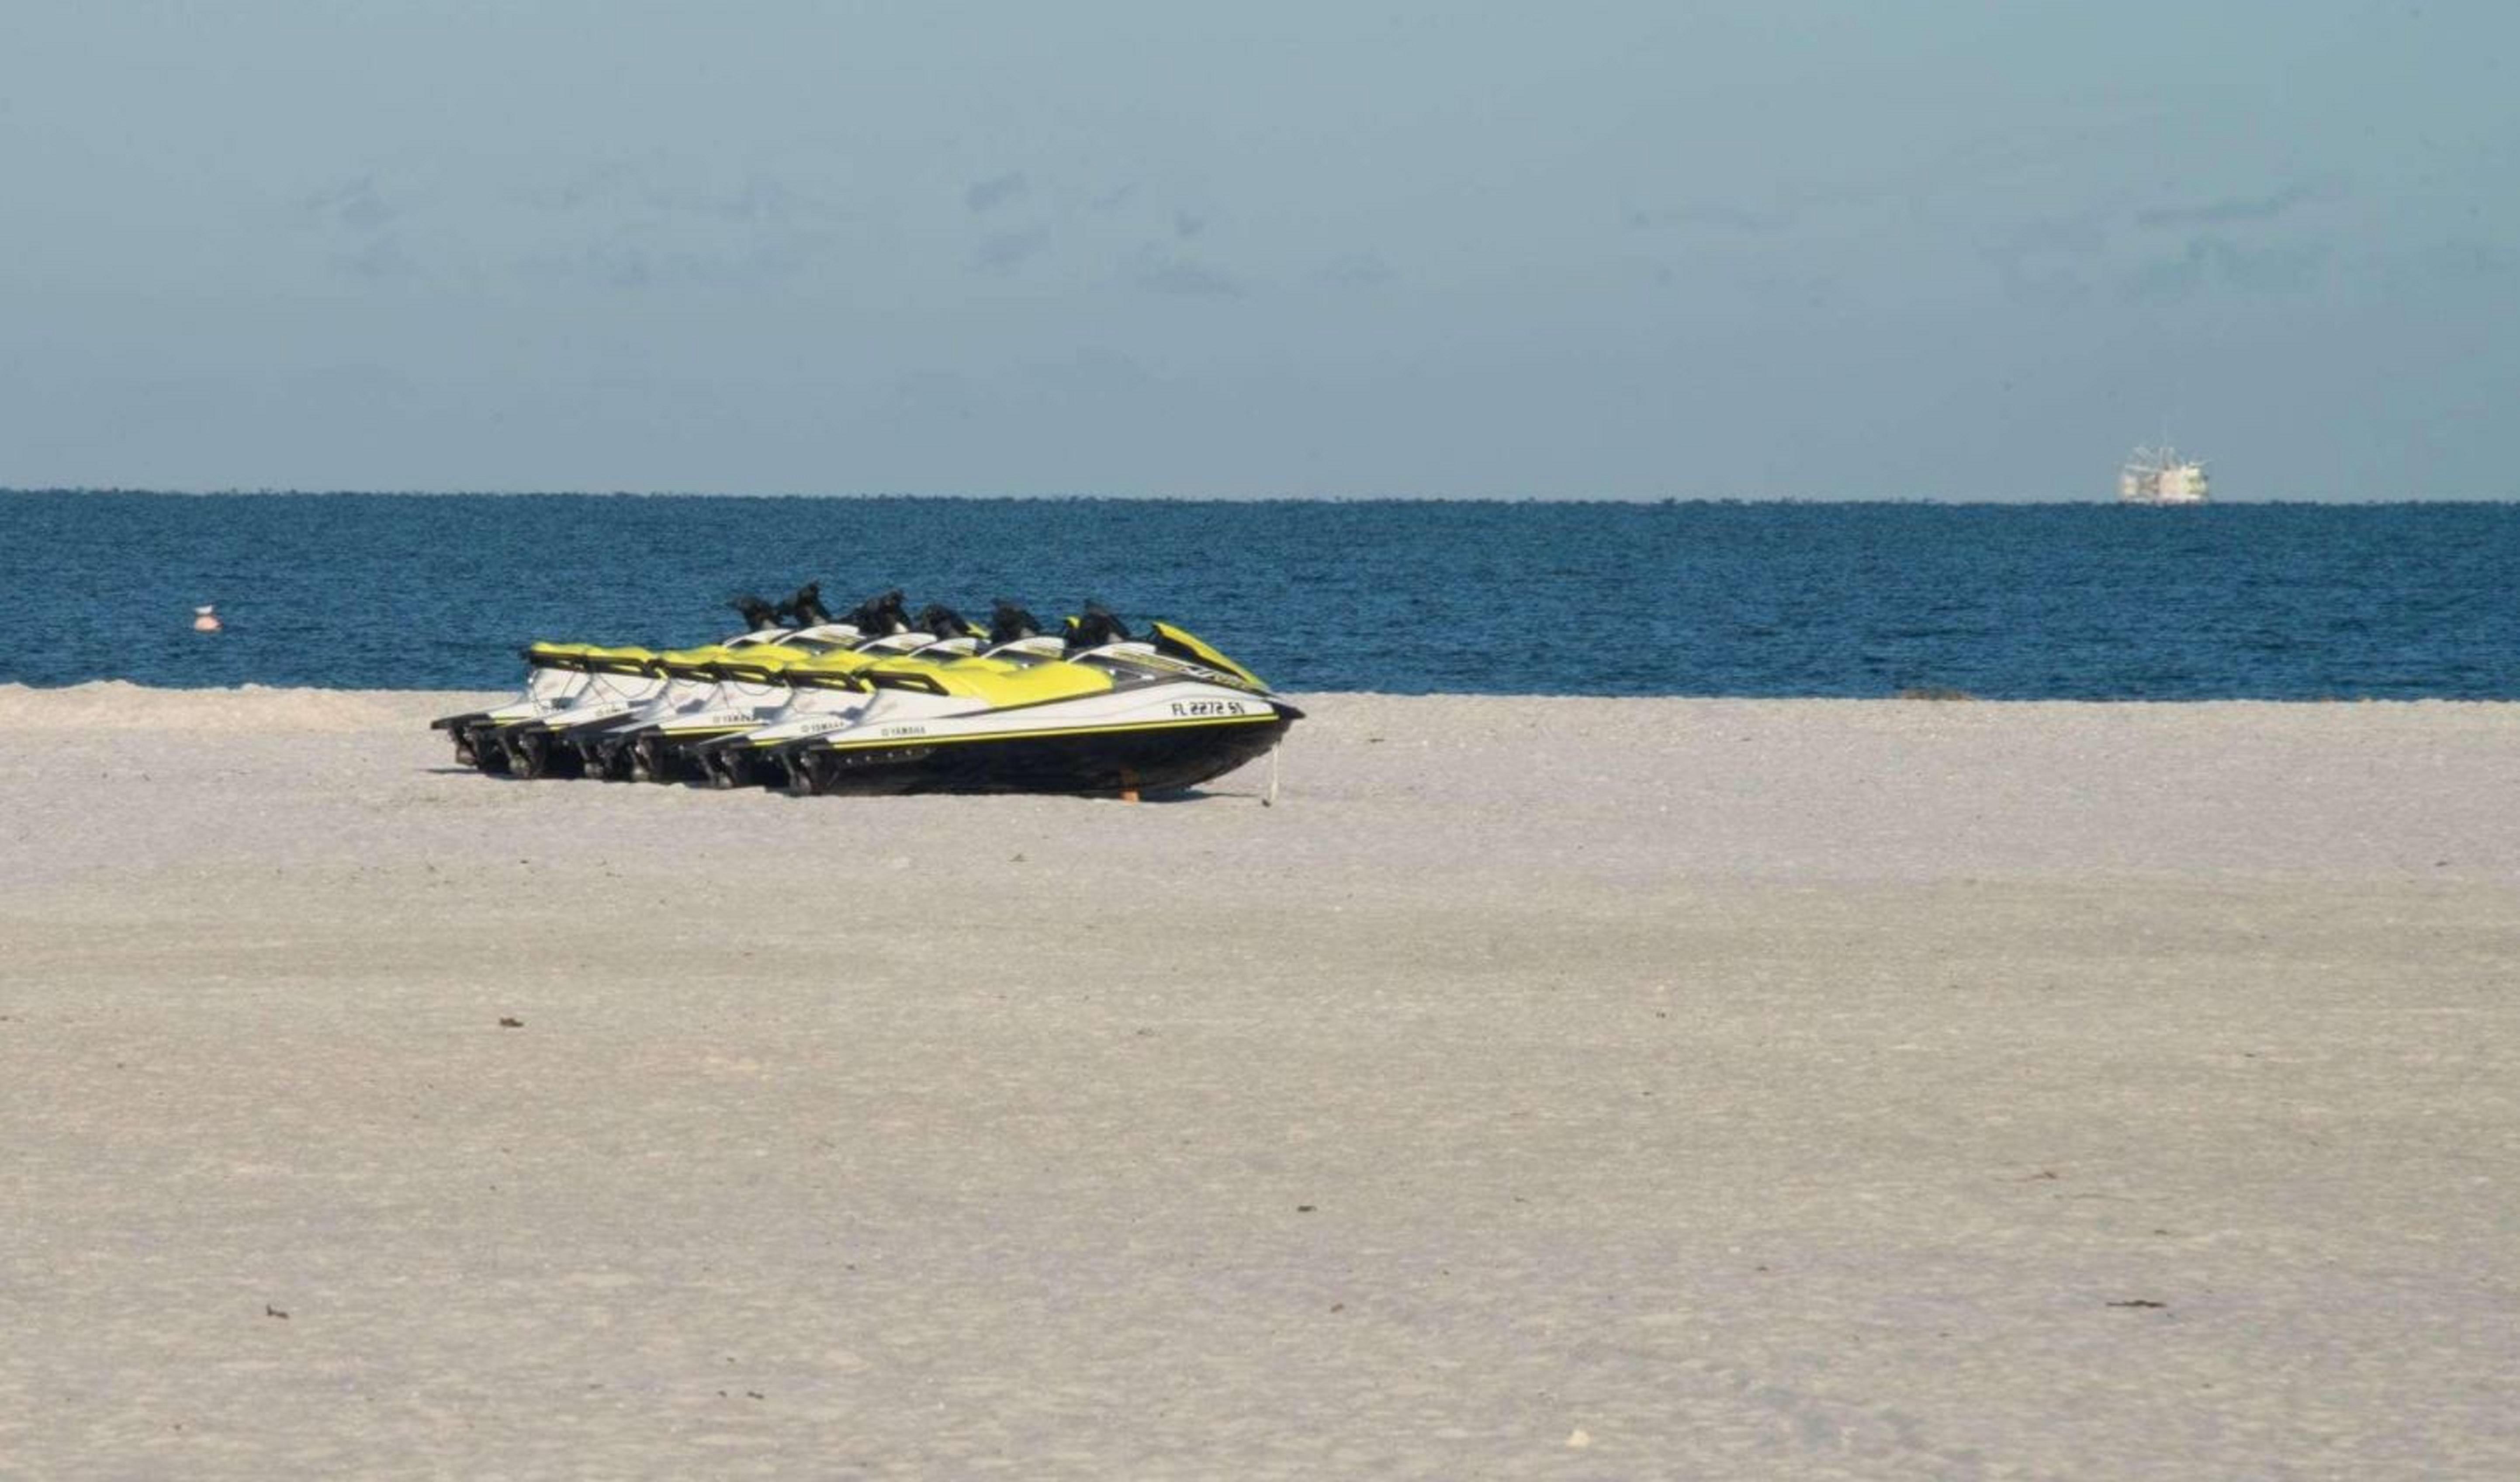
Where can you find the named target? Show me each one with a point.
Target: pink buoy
(205, 620)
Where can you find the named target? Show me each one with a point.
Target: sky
(1597, 248)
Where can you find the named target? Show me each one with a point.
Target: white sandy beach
(1542, 1088)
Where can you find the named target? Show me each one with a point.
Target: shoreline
(27, 698)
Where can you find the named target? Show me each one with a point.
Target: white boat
(2160, 477)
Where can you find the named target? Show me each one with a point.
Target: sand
(1542, 1088)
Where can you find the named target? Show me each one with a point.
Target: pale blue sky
(1810, 249)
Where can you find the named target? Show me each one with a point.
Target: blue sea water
(2277, 601)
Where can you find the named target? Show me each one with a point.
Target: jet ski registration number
(1198, 707)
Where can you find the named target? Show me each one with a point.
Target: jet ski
(718, 694)
(587, 682)
(706, 690)
(877, 701)
(828, 690)
(1095, 711)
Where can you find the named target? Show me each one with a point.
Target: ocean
(2009, 601)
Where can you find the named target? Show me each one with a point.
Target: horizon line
(269, 492)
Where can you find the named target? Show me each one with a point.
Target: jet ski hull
(1100, 761)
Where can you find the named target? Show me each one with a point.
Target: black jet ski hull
(1095, 764)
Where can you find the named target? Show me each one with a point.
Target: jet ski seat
(590, 658)
(993, 681)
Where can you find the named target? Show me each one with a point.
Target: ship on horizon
(2160, 477)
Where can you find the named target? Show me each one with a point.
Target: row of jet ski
(881, 702)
